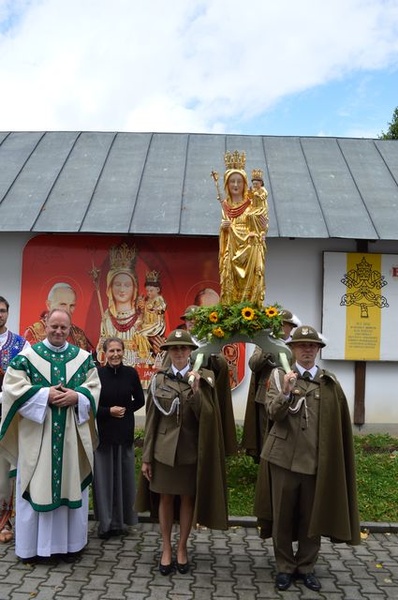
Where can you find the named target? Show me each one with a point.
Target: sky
(259, 67)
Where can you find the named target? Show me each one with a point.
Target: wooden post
(360, 369)
(359, 392)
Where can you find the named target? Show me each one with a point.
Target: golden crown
(257, 174)
(234, 160)
(152, 278)
(122, 257)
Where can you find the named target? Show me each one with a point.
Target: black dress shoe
(29, 561)
(116, 532)
(32, 560)
(40, 560)
(71, 557)
(311, 582)
(283, 581)
(183, 568)
(166, 569)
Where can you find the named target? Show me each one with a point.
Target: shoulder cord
(293, 409)
(175, 405)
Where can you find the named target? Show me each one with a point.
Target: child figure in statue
(244, 226)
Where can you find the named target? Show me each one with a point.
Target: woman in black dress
(114, 473)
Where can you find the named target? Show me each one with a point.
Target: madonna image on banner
(135, 288)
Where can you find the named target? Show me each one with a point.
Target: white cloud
(143, 65)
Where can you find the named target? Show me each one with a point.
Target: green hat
(306, 333)
(178, 337)
(287, 317)
(188, 311)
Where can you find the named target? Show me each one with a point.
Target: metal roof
(160, 183)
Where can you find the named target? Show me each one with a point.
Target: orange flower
(218, 332)
(248, 313)
(271, 311)
(213, 317)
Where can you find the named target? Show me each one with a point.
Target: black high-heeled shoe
(166, 569)
(183, 568)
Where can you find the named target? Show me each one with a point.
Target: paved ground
(230, 565)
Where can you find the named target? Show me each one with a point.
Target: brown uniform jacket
(335, 509)
(211, 483)
(172, 439)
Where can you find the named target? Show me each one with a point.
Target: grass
(377, 477)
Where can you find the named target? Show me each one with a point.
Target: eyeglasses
(3, 311)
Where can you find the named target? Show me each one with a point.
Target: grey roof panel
(377, 188)
(341, 203)
(15, 151)
(201, 211)
(297, 209)
(3, 135)
(161, 184)
(28, 194)
(70, 197)
(158, 209)
(389, 151)
(115, 196)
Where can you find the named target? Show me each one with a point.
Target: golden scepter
(215, 177)
(95, 276)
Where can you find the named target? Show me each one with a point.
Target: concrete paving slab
(231, 565)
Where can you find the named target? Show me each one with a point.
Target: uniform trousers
(292, 501)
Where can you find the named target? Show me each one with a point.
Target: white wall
(11, 249)
(294, 280)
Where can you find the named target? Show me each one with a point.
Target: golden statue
(244, 225)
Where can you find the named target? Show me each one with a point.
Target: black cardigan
(121, 386)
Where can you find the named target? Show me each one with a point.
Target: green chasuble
(54, 456)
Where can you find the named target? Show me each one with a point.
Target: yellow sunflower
(271, 311)
(218, 332)
(248, 313)
(213, 317)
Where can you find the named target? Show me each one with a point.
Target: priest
(50, 398)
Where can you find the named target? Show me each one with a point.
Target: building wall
(294, 280)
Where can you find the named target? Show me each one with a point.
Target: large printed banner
(134, 288)
(360, 306)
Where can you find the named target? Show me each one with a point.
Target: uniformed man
(306, 486)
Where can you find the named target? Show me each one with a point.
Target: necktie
(307, 376)
(179, 376)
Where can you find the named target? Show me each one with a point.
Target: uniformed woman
(183, 452)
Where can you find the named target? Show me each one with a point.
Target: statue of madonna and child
(241, 315)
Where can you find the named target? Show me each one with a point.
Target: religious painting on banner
(360, 306)
(134, 288)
